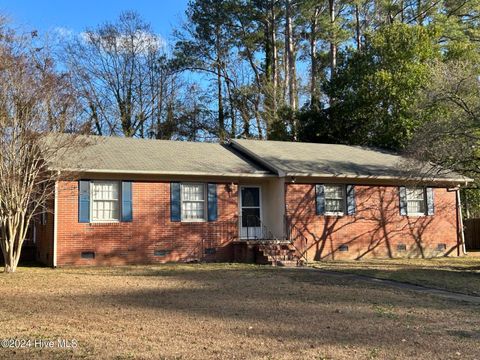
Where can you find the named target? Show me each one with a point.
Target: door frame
(240, 206)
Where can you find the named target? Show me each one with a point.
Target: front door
(251, 213)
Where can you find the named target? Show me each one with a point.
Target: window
(163, 252)
(105, 201)
(88, 255)
(415, 201)
(343, 248)
(401, 247)
(334, 199)
(193, 202)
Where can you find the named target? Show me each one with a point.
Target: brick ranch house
(151, 201)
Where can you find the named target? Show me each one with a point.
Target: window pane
(251, 217)
(415, 200)
(105, 190)
(334, 191)
(193, 192)
(415, 206)
(193, 201)
(334, 198)
(251, 197)
(415, 194)
(193, 210)
(105, 198)
(333, 205)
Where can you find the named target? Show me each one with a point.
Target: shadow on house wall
(375, 230)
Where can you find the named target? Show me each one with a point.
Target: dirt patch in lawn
(460, 274)
(227, 311)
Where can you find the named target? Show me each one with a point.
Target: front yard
(454, 274)
(228, 311)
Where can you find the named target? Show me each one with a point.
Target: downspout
(55, 225)
(286, 227)
(460, 222)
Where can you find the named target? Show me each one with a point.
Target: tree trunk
(257, 118)
(313, 59)
(221, 115)
(290, 57)
(246, 123)
(358, 34)
(273, 30)
(13, 240)
(95, 118)
(267, 82)
(233, 130)
(333, 44)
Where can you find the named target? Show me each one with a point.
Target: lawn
(228, 312)
(454, 274)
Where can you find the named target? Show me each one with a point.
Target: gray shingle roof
(330, 160)
(264, 158)
(141, 156)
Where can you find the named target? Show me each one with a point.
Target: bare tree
(34, 101)
(450, 134)
(121, 71)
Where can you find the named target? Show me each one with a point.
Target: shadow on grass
(291, 305)
(457, 279)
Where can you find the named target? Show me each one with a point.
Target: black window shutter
(430, 201)
(351, 203)
(175, 211)
(402, 192)
(212, 202)
(127, 209)
(84, 201)
(320, 199)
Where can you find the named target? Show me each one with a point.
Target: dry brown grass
(228, 312)
(458, 274)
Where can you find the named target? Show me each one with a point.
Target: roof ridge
(363, 147)
(126, 138)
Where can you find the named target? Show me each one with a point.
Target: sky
(77, 15)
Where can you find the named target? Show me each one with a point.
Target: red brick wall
(135, 242)
(375, 230)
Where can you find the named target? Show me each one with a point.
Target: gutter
(460, 222)
(169, 173)
(456, 181)
(55, 225)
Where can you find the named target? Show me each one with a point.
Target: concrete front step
(274, 247)
(279, 254)
(286, 263)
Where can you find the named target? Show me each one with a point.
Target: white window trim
(205, 201)
(344, 200)
(334, 213)
(112, 221)
(417, 214)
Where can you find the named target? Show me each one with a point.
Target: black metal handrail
(295, 235)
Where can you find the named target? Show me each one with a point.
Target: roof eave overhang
(397, 179)
(168, 173)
